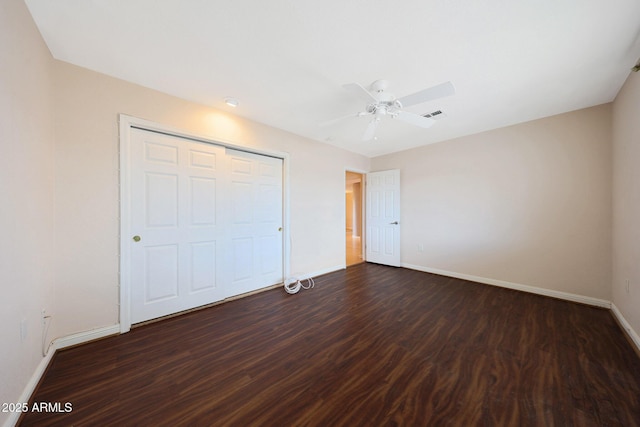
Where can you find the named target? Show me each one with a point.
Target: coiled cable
(293, 285)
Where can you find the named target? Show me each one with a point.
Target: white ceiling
(286, 60)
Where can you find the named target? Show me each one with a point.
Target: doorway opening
(354, 201)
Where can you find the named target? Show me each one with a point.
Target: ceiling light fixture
(231, 102)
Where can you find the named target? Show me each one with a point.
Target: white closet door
(383, 217)
(177, 224)
(205, 222)
(256, 221)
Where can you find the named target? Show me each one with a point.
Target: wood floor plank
(368, 346)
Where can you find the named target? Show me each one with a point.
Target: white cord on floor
(310, 283)
(293, 285)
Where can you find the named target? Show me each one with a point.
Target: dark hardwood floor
(368, 346)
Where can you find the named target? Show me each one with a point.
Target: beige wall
(26, 196)
(626, 201)
(528, 204)
(87, 209)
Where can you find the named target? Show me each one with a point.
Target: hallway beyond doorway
(354, 194)
(354, 249)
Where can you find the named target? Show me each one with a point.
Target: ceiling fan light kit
(380, 103)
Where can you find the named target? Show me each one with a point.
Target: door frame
(125, 124)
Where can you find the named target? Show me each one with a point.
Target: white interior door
(256, 221)
(383, 217)
(177, 222)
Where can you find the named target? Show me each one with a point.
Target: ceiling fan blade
(434, 92)
(360, 92)
(339, 119)
(370, 132)
(414, 119)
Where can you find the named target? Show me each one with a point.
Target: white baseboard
(516, 286)
(319, 272)
(83, 337)
(626, 326)
(57, 344)
(30, 387)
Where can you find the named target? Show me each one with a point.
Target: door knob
(393, 223)
(279, 228)
(136, 238)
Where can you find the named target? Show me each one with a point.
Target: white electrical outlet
(627, 285)
(45, 315)
(420, 247)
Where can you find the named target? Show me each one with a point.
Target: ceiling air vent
(435, 115)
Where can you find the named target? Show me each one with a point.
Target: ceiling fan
(381, 103)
